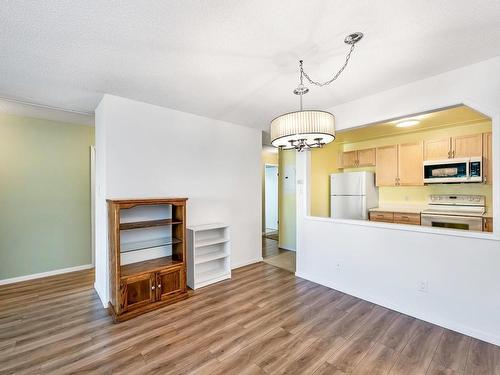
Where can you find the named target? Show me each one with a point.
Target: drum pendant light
(307, 129)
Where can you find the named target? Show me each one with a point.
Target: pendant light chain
(307, 129)
(321, 84)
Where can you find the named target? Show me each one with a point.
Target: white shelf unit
(209, 252)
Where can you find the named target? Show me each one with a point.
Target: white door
(351, 183)
(271, 197)
(348, 207)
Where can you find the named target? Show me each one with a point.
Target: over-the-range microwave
(453, 170)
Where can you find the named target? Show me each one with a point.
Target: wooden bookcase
(147, 254)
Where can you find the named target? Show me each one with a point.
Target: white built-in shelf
(211, 256)
(211, 276)
(211, 241)
(147, 244)
(208, 254)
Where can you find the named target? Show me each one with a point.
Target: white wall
(149, 151)
(384, 263)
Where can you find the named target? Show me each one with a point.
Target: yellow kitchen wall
(287, 200)
(267, 157)
(325, 161)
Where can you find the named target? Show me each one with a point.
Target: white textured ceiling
(230, 59)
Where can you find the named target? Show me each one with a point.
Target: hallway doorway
(271, 200)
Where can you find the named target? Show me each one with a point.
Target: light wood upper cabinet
(358, 158)
(466, 146)
(410, 166)
(487, 157)
(437, 149)
(463, 146)
(387, 166)
(366, 158)
(349, 159)
(400, 165)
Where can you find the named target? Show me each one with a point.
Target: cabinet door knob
(153, 287)
(159, 285)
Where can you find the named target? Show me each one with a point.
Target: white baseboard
(427, 317)
(260, 259)
(45, 274)
(286, 248)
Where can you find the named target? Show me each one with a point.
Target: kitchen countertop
(409, 209)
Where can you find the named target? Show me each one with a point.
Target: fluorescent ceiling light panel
(407, 123)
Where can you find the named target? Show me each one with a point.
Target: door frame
(92, 202)
(277, 194)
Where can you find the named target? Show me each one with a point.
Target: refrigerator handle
(364, 214)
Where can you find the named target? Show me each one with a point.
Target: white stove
(455, 212)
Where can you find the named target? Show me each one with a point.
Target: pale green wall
(287, 200)
(44, 195)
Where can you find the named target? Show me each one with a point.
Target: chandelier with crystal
(306, 129)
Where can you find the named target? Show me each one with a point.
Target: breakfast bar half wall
(446, 277)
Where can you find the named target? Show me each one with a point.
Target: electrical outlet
(423, 286)
(338, 267)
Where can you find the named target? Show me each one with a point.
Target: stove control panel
(457, 200)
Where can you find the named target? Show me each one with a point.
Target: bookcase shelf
(148, 224)
(209, 254)
(147, 265)
(148, 244)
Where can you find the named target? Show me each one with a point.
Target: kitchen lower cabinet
(395, 217)
(488, 224)
(386, 217)
(407, 218)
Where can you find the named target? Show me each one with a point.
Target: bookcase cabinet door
(137, 291)
(170, 282)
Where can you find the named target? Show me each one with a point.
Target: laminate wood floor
(262, 321)
(270, 248)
